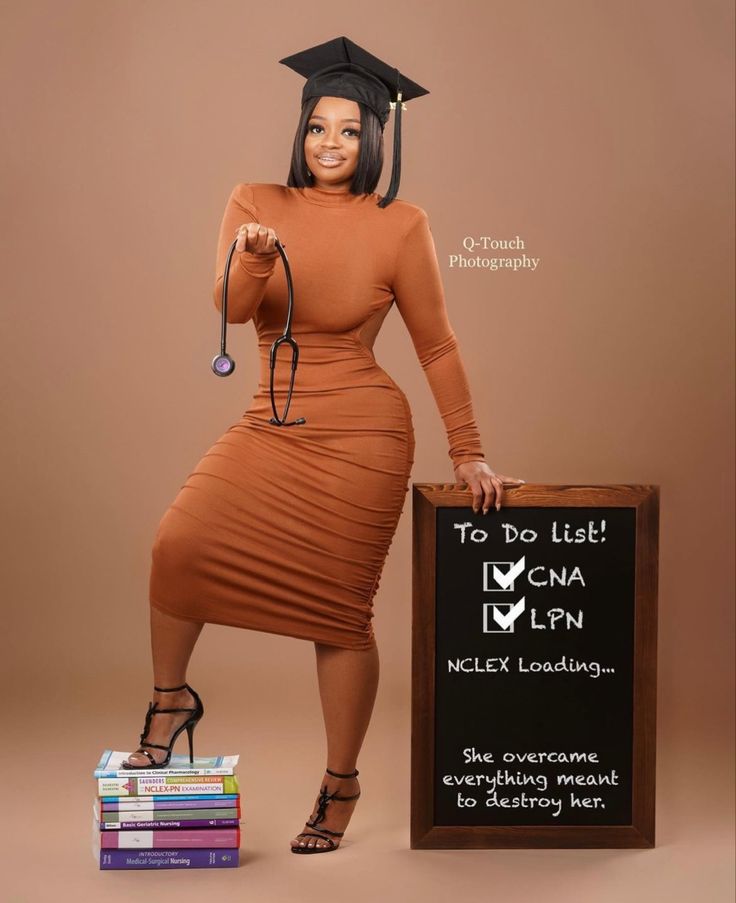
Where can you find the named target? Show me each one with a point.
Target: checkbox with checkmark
(499, 576)
(493, 614)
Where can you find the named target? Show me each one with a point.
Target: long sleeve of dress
(420, 299)
(249, 272)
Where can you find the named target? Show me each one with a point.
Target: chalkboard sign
(534, 667)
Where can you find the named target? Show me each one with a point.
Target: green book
(167, 785)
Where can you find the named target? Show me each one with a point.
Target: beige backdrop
(601, 134)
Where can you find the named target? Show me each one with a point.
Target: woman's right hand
(255, 238)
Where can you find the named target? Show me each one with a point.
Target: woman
(286, 529)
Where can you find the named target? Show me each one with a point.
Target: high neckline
(326, 197)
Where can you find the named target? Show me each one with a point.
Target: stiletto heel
(190, 733)
(324, 799)
(196, 714)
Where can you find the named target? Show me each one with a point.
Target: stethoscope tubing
(224, 365)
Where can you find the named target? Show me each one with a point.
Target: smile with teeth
(329, 160)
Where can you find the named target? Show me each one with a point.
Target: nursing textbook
(111, 765)
(155, 802)
(152, 819)
(163, 784)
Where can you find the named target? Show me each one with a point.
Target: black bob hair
(370, 156)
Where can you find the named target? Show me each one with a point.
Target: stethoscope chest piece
(223, 364)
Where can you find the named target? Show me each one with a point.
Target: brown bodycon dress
(285, 529)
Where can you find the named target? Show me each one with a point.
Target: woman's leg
(172, 642)
(348, 681)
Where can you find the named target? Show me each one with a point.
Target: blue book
(111, 766)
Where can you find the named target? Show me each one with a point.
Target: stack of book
(183, 816)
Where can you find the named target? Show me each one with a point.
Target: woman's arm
(249, 272)
(420, 298)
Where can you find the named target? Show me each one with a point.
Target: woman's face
(332, 142)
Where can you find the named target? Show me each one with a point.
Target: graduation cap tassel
(393, 187)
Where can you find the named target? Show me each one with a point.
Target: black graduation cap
(340, 68)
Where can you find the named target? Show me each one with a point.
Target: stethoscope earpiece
(223, 364)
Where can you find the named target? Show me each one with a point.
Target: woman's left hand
(487, 486)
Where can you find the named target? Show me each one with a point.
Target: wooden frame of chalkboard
(623, 598)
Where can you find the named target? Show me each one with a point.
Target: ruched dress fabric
(285, 529)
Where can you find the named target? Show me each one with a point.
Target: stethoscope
(223, 364)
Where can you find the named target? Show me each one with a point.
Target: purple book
(169, 859)
(169, 823)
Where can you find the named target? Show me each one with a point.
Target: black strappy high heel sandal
(324, 799)
(189, 725)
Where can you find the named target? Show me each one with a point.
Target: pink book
(171, 840)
